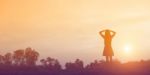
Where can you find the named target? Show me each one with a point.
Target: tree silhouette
(8, 58)
(23, 62)
(51, 63)
(31, 56)
(44, 63)
(57, 65)
(18, 57)
(2, 59)
(77, 65)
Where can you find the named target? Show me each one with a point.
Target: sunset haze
(69, 29)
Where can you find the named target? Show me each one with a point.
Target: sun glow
(128, 49)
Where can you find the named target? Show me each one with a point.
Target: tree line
(23, 62)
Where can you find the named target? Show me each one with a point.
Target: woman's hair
(107, 33)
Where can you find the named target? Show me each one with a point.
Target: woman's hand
(114, 33)
(101, 33)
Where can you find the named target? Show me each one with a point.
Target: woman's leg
(107, 57)
(110, 59)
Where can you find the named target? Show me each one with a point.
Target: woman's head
(107, 33)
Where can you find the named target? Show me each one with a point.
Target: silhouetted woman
(108, 51)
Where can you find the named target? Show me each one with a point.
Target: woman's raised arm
(101, 33)
(114, 33)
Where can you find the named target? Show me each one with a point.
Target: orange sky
(68, 29)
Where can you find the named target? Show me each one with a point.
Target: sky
(68, 29)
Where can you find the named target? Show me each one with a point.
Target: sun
(127, 49)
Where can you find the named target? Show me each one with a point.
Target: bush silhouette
(23, 62)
